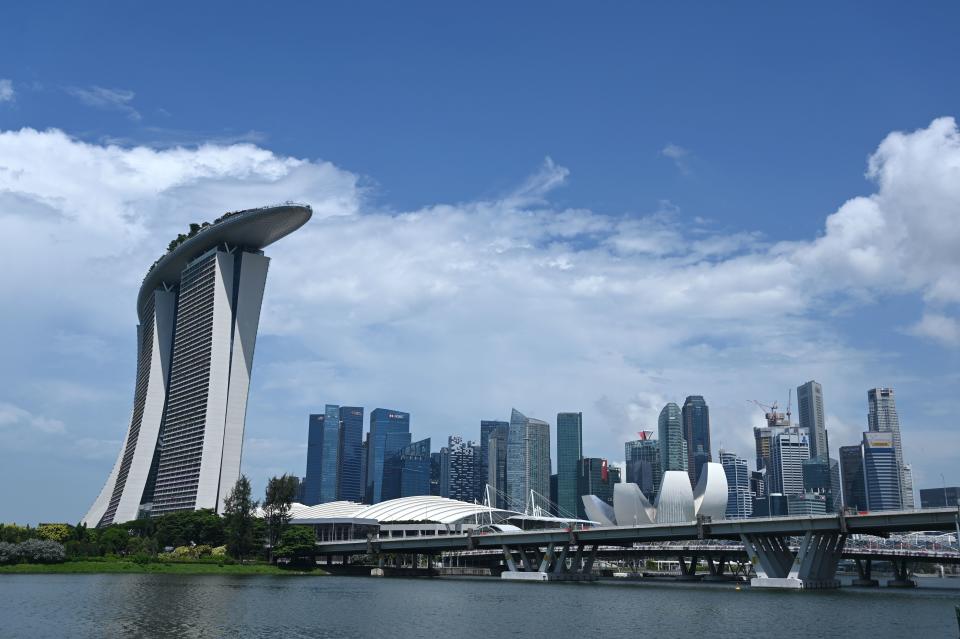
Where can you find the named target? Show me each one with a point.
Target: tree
(238, 515)
(299, 544)
(276, 507)
(54, 532)
(113, 540)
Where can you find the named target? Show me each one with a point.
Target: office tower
(389, 432)
(497, 463)
(314, 475)
(528, 462)
(363, 468)
(569, 452)
(460, 465)
(943, 497)
(489, 428)
(882, 417)
(436, 474)
(595, 477)
(330, 454)
(852, 478)
(790, 449)
(810, 404)
(415, 466)
(478, 472)
(821, 476)
(553, 495)
(764, 435)
(739, 499)
(806, 504)
(696, 432)
(350, 480)
(198, 311)
(673, 447)
(881, 472)
(643, 464)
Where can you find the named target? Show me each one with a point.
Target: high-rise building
(881, 471)
(330, 454)
(436, 474)
(806, 504)
(943, 497)
(363, 468)
(673, 447)
(643, 466)
(389, 432)
(350, 484)
(790, 449)
(415, 469)
(595, 477)
(198, 310)
(489, 428)
(852, 478)
(739, 498)
(696, 432)
(460, 466)
(497, 464)
(882, 417)
(821, 476)
(312, 478)
(810, 404)
(528, 461)
(569, 453)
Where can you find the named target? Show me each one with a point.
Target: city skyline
(551, 222)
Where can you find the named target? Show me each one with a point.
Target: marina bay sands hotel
(198, 309)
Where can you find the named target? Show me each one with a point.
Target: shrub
(141, 558)
(82, 549)
(42, 551)
(219, 551)
(55, 532)
(9, 553)
(202, 550)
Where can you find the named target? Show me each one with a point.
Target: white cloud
(14, 417)
(7, 93)
(679, 155)
(937, 327)
(458, 312)
(110, 99)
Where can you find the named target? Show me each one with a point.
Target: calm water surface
(248, 606)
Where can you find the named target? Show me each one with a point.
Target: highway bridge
(786, 552)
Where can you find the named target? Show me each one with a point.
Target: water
(264, 606)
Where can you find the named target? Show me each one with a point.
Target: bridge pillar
(865, 574)
(776, 566)
(718, 568)
(902, 576)
(688, 571)
(548, 565)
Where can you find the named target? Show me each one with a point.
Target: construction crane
(789, 404)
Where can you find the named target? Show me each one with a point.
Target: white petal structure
(631, 506)
(599, 511)
(710, 496)
(675, 499)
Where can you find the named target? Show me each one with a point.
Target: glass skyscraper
(314, 475)
(415, 469)
(810, 405)
(349, 481)
(528, 461)
(497, 462)
(643, 464)
(569, 453)
(882, 417)
(487, 429)
(739, 496)
(881, 472)
(852, 478)
(673, 447)
(389, 432)
(459, 465)
(330, 454)
(696, 432)
(595, 477)
(790, 449)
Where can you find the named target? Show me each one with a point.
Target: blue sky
(550, 206)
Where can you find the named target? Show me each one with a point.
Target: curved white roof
(332, 509)
(426, 508)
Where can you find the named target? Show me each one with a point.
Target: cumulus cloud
(15, 417)
(6, 90)
(679, 155)
(110, 99)
(937, 327)
(457, 312)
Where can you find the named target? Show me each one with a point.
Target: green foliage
(55, 532)
(34, 551)
(113, 540)
(190, 527)
(298, 543)
(238, 516)
(76, 548)
(14, 534)
(276, 507)
(9, 553)
(219, 551)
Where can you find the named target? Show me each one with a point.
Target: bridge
(785, 552)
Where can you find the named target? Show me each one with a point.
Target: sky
(596, 207)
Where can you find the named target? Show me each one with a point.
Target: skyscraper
(696, 432)
(460, 466)
(415, 469)
(314, 475)
(882, 417)
(350, 486)
(487, 429)
(810, 404)
(790, 449)
(881, 472)
(198, 310)
(643, 464)
(528, 461)
(852, 478)
(389, 432)
(673, 447)
(497, 464)
(739, 497)
(330, 454)
(595, 477)
(569, 453)
(821, 476)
